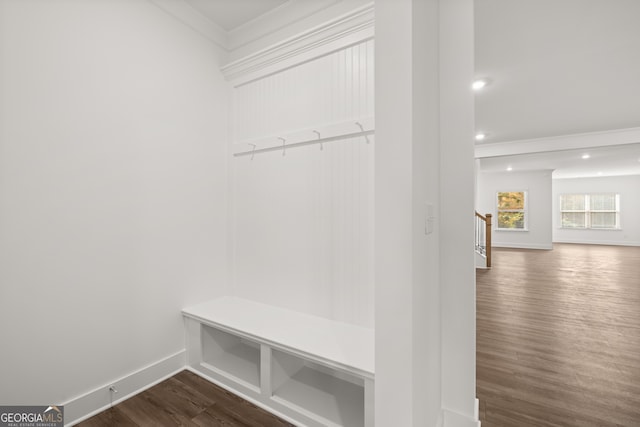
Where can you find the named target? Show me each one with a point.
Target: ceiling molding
(559, 143)
(283, 16)
(351, 28)
(183, 12)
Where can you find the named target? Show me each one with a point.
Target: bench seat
(307, 369)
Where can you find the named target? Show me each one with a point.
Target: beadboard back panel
(329, 89)
(303, 217)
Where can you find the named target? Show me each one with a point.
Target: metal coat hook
(283, 141)
(366, 137)
(318, 133)
(253, 151)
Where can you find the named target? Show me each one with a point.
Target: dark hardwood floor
(558, 337)
(185, 400)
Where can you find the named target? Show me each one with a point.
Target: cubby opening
(333, 397)
(232, 356)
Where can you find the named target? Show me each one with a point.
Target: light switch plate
(430, 218)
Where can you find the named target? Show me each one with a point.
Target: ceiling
(558, 68)
(231, 14)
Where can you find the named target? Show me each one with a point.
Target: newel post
(488, 239)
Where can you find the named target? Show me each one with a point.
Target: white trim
(193, 19)
(559, 143)
(454, 419)
(480, 260)
(95, 401)
(597, 242)
(287, 14)
(588, 229)
(544, 246)
(349, 29)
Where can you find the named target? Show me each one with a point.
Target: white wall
(112, 191)
(629, 189)
(537, 184)
(303, 231)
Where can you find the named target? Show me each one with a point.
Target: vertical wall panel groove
(304, 222)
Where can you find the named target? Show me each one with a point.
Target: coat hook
(283, 141)
(318, 133)
(366, 137)
(253, 151)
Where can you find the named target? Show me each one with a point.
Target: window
(599, 211)
(512, 210)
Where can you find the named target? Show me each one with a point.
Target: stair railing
(483, 236)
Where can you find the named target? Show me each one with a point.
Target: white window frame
(588, 211)
(525, 211)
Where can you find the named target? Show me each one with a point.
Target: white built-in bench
(307, 369)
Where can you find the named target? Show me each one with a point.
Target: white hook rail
(316, 135)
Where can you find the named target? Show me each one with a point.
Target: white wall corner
(95, 401)
(455, 419)
(348, 29)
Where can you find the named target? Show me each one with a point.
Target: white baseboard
(89, 404)
(454, 419)
(481, 260)
(597, 242)
(522, 245)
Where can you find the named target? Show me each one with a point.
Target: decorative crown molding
(559, 143)
(348, 29)
(184, 13)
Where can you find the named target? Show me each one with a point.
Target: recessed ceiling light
(480, 136)
(479, 84)
(585, 156)
(509, 168)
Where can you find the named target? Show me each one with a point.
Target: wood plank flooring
(558, 337)
(185, 400)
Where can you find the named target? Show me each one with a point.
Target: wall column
(425, 281)
(457, 279)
